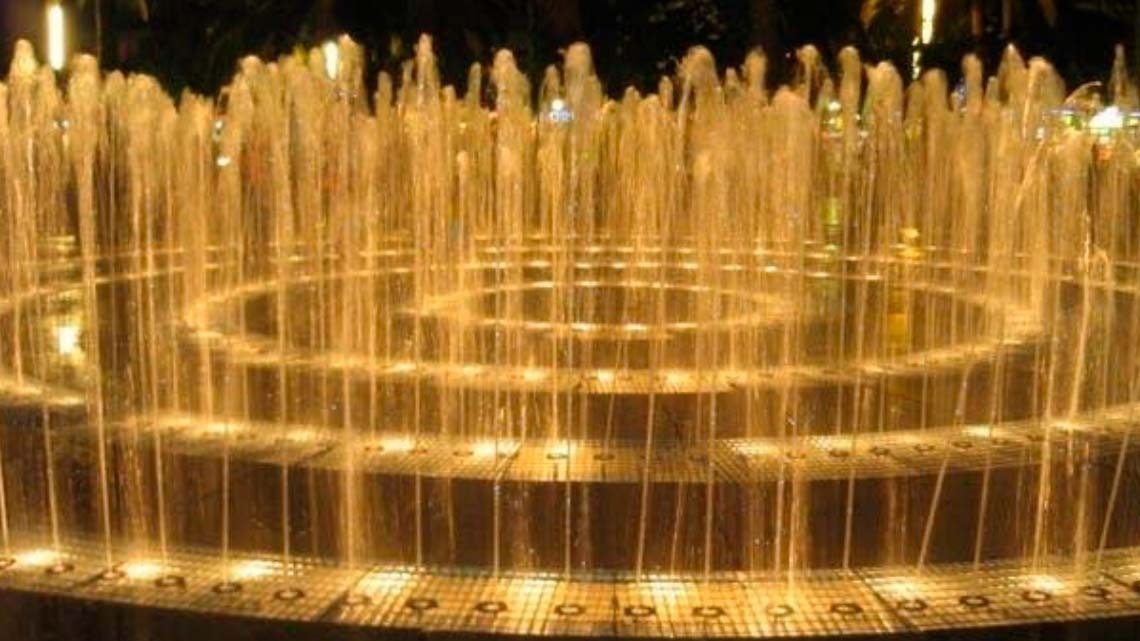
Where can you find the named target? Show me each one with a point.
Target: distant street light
(55, 37)
(928, 8)
(925, 33)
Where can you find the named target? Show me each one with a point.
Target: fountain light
(142, 569)
(56, 46)
(219, 428)
(38, 558)
(384, 581)
(604, 376)
(665, 587)
(223, 161)
(533, 585)
(403, 367)
(254, 569)
(834, 442)
(560, 450)
(67, 339)
(331, 52)
(1044, 582)
(755, 448)
(978, 431)
(490, 447)
(301, 435)
(1067, 426)
(902, 587)
(396, 444)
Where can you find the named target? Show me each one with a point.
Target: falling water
(844, 328)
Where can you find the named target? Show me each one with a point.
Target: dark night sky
(195, 43)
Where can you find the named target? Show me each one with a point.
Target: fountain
(848, 357)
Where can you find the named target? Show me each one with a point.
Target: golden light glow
(37, 558)
(218, 428)
(562, 449)
(902, 587)
(490, 447)
(534, 375)
(142, 570)
(1044, 582)
(755, 448)
(978, 431)
(1107, 120)
(254, 569)
(331, 53)
(666, 587)
(403, 367)
(677, 378)
(384, 581)
(605, 376)
(301, 435)
(67, 340)
(56, 53)
(396, 444)
(533, 585)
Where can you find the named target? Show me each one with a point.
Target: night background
(195, 43)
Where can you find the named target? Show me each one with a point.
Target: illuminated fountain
(715, 361)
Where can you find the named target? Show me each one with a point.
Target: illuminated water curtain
(846, 357)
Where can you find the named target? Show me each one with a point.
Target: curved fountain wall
(851, 356)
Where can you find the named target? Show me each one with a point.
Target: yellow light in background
(928, 8)
(925, 34)
(331, 52)
(55, 37)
